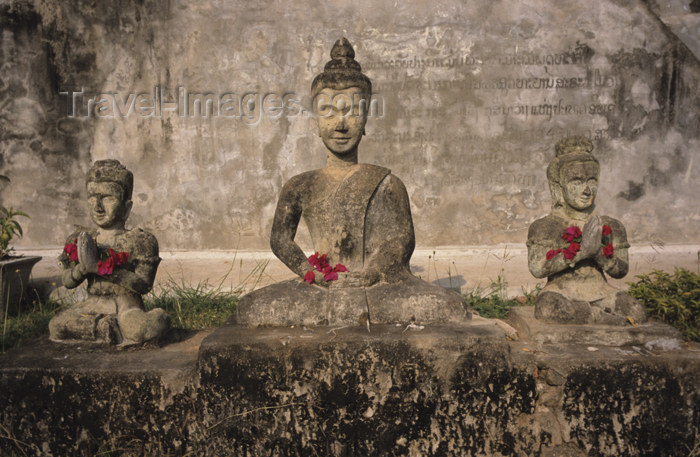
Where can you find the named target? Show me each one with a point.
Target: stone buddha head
(340, 97)
(109, 188)
(573, 176)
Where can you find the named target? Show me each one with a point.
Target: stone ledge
(443, 390)
(537, 331)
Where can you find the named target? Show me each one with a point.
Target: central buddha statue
(359, 218)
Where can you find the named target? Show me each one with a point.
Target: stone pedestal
(537, 331)
(453, 390)
(442, 389)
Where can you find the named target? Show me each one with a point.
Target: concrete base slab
(461, 335)
(448, 390)
(537, 331)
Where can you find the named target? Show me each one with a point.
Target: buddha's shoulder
(311, 177)
(141, 240)
(304, 179)
(547, 227)
(371, 168)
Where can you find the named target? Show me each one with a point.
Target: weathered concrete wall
(440, 391)
(473, 96)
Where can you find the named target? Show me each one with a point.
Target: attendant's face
(579, 182)
(107, 208)
(341, 115)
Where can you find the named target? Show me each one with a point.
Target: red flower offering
(122, 258)
(105, 267)
(72, 250)
(330, 276)
(113, 259)
(571, 233)
(552, 253)
(109, 259)
(570, 252)
(608, 250)
(320, 263)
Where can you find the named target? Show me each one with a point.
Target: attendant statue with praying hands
(574, 247)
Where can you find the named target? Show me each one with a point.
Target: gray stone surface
(474, 94)
(682, 17)
(576, 249)
(14, 282)
(360, 222)
(448, 390)
(536, 331)
(119, 266)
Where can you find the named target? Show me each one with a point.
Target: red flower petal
(72, 251)
(570, 252)
(313, 259)
(309, 277)
(571, 233)
(552, 253)
(122, 258)
(332, 276)
(105, 267)
(607, 230)
(608, 250)
(340, 268)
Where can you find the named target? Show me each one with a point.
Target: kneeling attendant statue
(574, 248)
(360, 223)
(118, 264)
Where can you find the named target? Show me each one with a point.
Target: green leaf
(674, 299)
(17, 227)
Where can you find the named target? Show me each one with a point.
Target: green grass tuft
(193, 307)
(30, 322)
(493, 301)
(674, 299)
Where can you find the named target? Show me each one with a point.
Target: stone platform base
(536, 331)
(455, 390)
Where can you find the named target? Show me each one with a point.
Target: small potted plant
(14, 269)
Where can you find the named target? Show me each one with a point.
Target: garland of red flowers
(320, 263)
(573, 235)
(109, 258)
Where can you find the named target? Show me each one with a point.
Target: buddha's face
(341, 115)
(579, 183)
(107, 208)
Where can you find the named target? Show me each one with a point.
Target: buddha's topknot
(342, 71)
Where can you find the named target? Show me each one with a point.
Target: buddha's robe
(365, 224)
